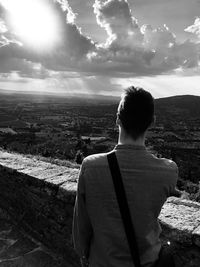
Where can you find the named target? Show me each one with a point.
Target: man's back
(148, 181)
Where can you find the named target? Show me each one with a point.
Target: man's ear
(118, 122)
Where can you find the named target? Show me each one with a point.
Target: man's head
(135, 112)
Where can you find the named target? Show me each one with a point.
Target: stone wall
(40, 196)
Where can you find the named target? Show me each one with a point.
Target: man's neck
(124, 140)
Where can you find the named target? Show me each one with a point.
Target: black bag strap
(124, 208)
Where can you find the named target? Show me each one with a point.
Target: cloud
(6, 37)
(71, 16)
(139, 50)
(169, 54)
(115, 16)
(23, 67)
(129, 50)
(195, 28)
(4, 40)
(162, 85)
(3, 27)
(74, 43)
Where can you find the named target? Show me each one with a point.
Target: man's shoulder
(99, 159)
(168, 163)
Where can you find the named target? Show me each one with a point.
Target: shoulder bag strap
(124, 208)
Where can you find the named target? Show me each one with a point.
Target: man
(98, 232)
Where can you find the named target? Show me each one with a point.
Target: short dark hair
(136, 111)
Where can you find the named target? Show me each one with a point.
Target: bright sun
(33, 21)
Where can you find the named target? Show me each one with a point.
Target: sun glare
(33, 21)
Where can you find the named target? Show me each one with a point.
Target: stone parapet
(40, 197)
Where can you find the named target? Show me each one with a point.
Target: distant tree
(85, 150)
(79, 157)
(88, 141)
(79, 144)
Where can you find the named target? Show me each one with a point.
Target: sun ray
(34, 22)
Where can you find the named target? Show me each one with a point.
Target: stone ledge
(41, 196)
(183, 219)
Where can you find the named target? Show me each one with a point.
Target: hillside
(184, 105)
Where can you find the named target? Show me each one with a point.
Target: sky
(100, 47)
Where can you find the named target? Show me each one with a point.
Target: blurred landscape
(69, 128)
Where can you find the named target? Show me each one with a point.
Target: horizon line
(76, 95)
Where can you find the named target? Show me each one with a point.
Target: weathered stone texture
(40, 198)
(19, 250)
